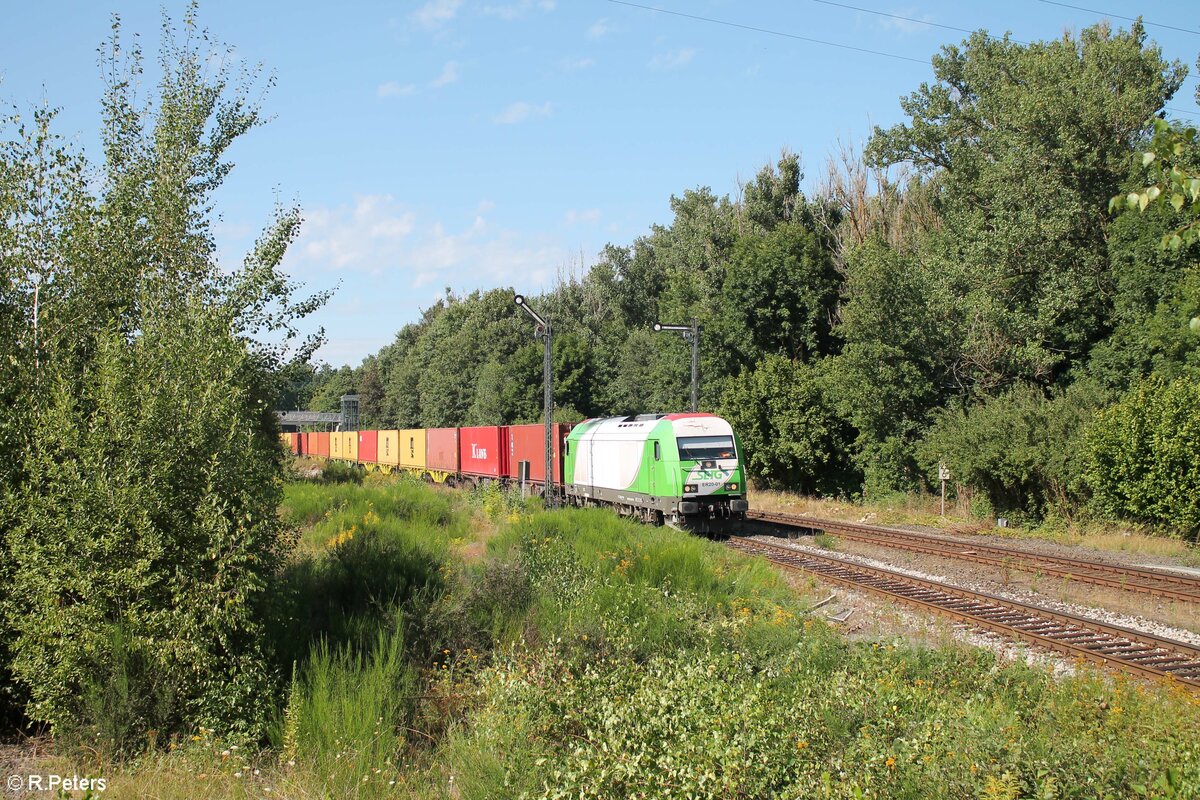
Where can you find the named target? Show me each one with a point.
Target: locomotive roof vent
(644, 417)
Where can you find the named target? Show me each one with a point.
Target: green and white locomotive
(681, 469)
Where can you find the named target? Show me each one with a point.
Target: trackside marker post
(943, 476)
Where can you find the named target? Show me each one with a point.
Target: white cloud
(600, 28)
(385, 259)
(354, 238)
(577, 63)
(512, 11)
(519, 112)
(394, 89)
(436, 13)
(448, 76)
(379, 237)
(588, 216)
(672, 59)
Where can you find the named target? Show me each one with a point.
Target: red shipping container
(441, 450)
(528, 443)
(294, 443)
(321, 446)
(368, 446)
(483, 451)
(306, 443)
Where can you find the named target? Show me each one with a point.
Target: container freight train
(680, 469)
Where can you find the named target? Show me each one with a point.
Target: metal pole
(691, 334)
(695, 366)
(542, 331)
(548, 381)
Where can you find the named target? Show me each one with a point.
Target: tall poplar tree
(140, 522)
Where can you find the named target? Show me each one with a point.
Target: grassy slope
(585, 656)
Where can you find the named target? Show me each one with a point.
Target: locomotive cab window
(705, 448)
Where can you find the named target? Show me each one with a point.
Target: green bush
(340, 472)
(792, 436)
(150, 468)
(126, 700)
(152, 505)
(1143, 450)
(1022, 451)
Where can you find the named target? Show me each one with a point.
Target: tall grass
(365, 552)
(656, 664)
(586, 656)
(347, 713)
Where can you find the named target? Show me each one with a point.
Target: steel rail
(1154, 582)
(1136, 652)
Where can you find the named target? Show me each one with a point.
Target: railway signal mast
(691, 333)
(542, 331)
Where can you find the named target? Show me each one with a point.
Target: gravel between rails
(1101, 615)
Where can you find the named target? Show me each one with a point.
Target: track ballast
(1153, 582)
(1142, 654)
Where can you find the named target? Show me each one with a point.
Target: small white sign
(943, 472)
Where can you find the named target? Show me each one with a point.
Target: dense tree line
(958, 292)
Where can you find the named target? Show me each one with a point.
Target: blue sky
(482, 143)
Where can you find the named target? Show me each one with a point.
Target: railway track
(1113, 646)
(1154, 582)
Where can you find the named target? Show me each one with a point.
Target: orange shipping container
(388, 448)
(349, 445)
(412, 448)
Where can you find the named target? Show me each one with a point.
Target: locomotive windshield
(705, 448)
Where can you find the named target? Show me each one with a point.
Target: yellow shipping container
(335, 445)
(412, 448)
(389, 448)
(349, 445)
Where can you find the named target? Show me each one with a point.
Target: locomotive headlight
(689, 488)
(731, 487)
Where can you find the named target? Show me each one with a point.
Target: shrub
(126, 700)
(1023, 451)
(149, 458)
(1143, 453)
(340, 472)
(791, 434)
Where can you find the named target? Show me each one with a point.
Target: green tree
(897, 362)
(1173, 156)
(791, 433)
(334, 384)
(1143, 455)
(143, 531)
(780, 293)
(1026, 144)
(1155, 297)
(370, 396)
